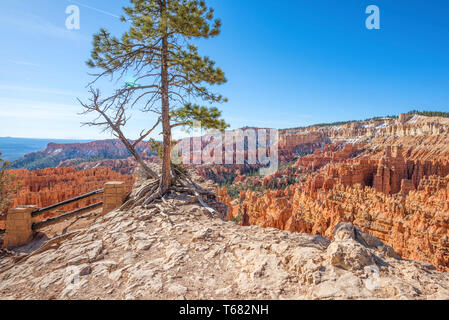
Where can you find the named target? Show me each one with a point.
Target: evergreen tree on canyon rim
(169, 75)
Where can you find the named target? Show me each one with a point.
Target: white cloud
(95, 9)
(21, 109)
(39, 119)
(39, 90)
(24, 63)
(32, 23)
(36, 119)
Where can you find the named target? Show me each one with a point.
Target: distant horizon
(287, 128)
(14, 148)
(39, 138)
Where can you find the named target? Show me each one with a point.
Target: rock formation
(123, 166)
(389, 177)
(177, 251)
(415, 225)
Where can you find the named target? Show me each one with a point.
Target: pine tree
(170, 75)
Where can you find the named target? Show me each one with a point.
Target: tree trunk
(137, 156)
(166, 129)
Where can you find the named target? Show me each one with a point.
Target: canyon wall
(416, 226)
(389, 177)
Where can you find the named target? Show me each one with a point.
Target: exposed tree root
(139, 198)
(191, 184)
(152, 197)
(205, 205)
(151, 191)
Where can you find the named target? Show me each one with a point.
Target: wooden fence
(24, 221)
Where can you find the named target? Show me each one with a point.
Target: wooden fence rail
(39, 225)
(22, 222)
(66, 202)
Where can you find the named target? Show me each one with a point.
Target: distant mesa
(56, 153)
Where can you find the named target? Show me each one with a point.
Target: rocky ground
(178, 250)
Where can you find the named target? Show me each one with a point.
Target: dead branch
(117, 104)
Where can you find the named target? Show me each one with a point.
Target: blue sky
(288, 63)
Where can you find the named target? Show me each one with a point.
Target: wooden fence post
(113, 196)
(19, 224)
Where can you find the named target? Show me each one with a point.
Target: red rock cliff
(389, 177)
